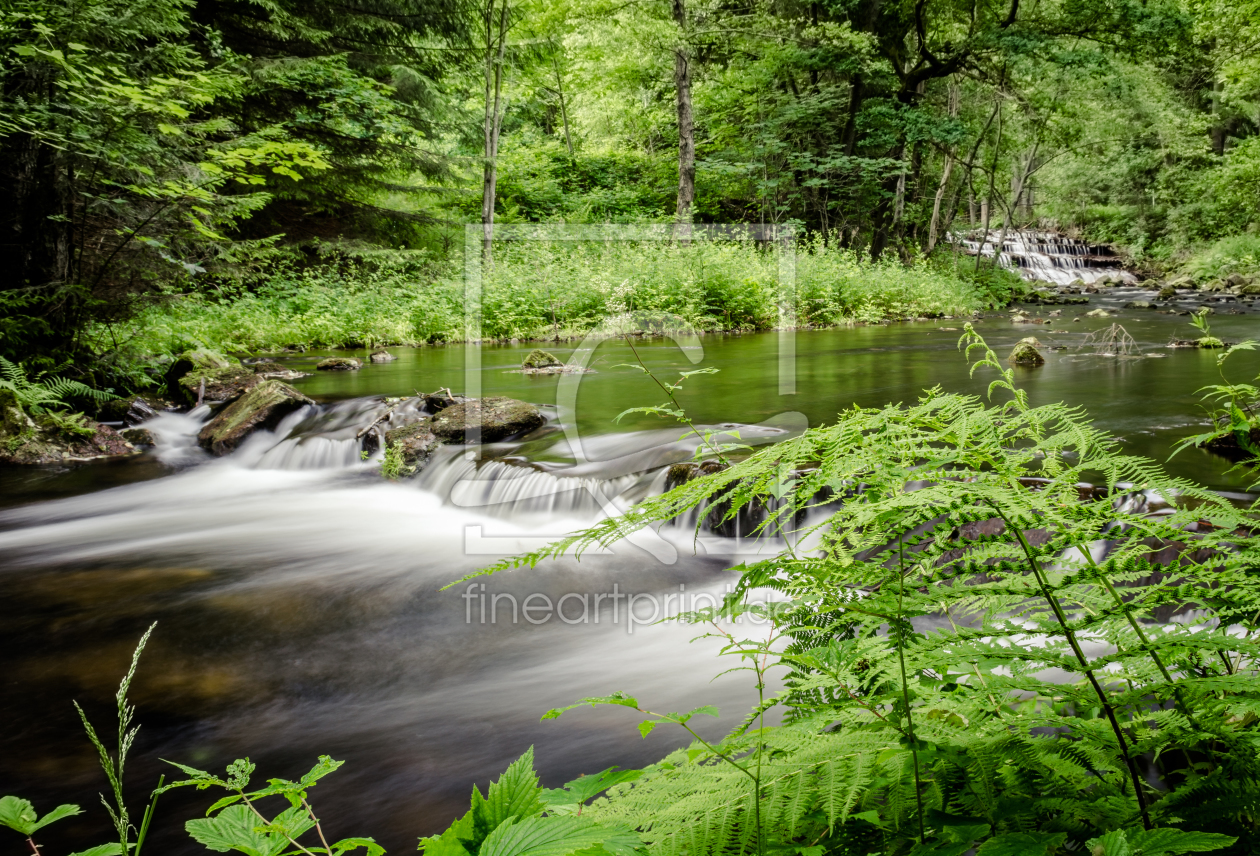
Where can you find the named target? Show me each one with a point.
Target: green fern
(941, 562)
(45, 394)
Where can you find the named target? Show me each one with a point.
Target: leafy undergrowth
(977, 652)
(540, 289)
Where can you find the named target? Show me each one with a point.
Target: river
(297, 593)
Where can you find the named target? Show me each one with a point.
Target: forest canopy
(200, 146)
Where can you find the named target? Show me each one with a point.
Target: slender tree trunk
(686, 126)
(954, 97)
(496, 46)
(564, 110)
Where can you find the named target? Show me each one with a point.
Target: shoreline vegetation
(539, 293)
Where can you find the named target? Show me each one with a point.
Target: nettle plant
(998, 633)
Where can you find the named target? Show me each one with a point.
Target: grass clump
(542, 289)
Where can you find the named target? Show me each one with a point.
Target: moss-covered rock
(339, 364)
(492, 419)
(382, 356)
(217, 385)
(1168, 292)
(1139, 304)
(416, 443)
(1025, 353)
(48, 439)
(540, 359)
(260, 408)
(1098, 313)
(685, 472)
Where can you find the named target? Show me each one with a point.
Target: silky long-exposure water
(297, 593)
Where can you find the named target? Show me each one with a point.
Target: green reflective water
(1150, 403)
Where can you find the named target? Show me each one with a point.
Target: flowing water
(1050, 257)
(298, 594)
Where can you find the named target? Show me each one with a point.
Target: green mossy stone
(417, 441)
(1025, 353)
(496, 418)
(540, 359)
(339, 364)
(260, 408)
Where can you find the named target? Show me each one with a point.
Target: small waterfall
(1050, 257)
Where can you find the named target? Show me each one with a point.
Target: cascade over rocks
(262, 407)
(499, 418)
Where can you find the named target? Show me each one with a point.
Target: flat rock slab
(262, 407)
(492, 419)
(339, 364)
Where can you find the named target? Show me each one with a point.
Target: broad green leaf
(618, 698)
(645, 727)
(17, 814)
(56, 814)
(515, 793)
(1114, 843)
(1022, 844)
(348, 844)
(238, 828)
(557, 836)
(1170, 842)
(585, 787)
(111, 849)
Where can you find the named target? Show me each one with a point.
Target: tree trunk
(564, 110)
(686, 127)
(495, 49)
(955, 95)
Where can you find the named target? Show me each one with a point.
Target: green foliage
(976, 648)
(519, 818)
(235, 822)
(114, 764)
(46, 395)
(542, 289)
(20, 816)
(394, 465)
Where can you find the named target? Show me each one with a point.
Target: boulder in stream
(540, 359)
(131, 411)
(1025, 353)
(209, 376)
(260, 408)
(1098, 313)
(496, 418)
(416, 442)
(339, 364)
(382, 356)
(1139, 304)
(277, 371)
(1167, 292)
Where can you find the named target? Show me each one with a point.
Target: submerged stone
(540, 359)
(339, 364)
(1025, 353)
(1098, 313)
(261, 408)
